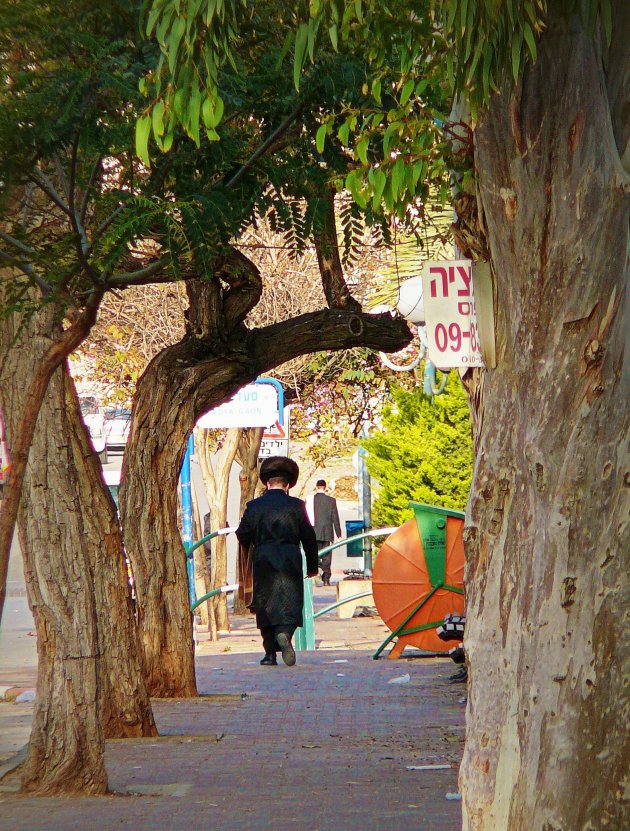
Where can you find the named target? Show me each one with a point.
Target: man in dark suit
(327, 525)
(275, 524)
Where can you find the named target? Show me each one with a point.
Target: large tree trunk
(181, 383)
(162, 420)
(548, 534)
(89, 681)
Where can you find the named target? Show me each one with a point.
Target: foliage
(422, 453)
(394, 128)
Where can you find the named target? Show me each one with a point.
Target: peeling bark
(89, 683)
(548, 531)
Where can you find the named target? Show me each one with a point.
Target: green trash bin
(353, 527)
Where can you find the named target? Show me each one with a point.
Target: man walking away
(275, 524)
(327, 525)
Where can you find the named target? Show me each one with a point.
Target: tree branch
(27, 269)
(83, 246)
(95, 173)
(18, 244)
(333, 282)
(265, 146)
(43, 183)
(141, 277)
(245, 287)
(333, 329)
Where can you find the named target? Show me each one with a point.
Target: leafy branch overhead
(419, 57)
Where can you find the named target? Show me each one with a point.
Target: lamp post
(365, 502)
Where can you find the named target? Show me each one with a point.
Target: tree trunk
(247, 457)
(216, 480)
(125, 705)
(180, 384)
(57, 350)
(163, 416)
(548, 535)
(89, 681)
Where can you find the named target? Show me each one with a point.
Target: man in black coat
(275, 524)
(326, 522)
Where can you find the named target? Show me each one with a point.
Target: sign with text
(451, 320)
(255, 405)
(275, 440)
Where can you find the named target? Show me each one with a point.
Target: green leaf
(168, 141)
(531, 43)
(313, 27)
(301, 42)
(406, 91)
(174, 40)
(179, 103)
(517, 42)
(398, 176)
(219, 107)
(376, 90)
(362, 148)
(157, 118)
(344, 133)
(194, 106)
(380, 180)
(143, 131)
(389, 134)
(485, 73)
(332, 31)
(320, 138)
(207, 113)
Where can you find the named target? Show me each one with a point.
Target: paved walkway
(324, 746)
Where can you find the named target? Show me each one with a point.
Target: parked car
(94, 418)
(117, 423)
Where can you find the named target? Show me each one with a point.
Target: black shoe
(269, 660)
(459, 677)
(288, 653)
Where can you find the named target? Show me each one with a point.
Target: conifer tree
(423, 453)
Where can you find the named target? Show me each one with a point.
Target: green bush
(422, 453)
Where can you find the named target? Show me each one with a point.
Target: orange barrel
(421, 567)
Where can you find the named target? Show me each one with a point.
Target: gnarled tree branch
(333, 282)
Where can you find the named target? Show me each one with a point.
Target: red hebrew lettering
(464, 273)
(465, 308)
(441, 271)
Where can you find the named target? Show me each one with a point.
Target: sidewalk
(324, 746)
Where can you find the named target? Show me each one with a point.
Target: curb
(14, 762)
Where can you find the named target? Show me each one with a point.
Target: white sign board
(451, 320)
(255, 405)
(273, 447)
(275, 440)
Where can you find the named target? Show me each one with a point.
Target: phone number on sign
(453, 337)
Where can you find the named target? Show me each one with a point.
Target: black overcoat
(275, 524)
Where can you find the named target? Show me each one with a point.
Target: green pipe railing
(213, 593)
(340, 603)
(375, 532)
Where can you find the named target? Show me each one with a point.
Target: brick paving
(323, 746)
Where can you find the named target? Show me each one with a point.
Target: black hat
(279, 466)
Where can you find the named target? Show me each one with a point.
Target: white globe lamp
(410, 302)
